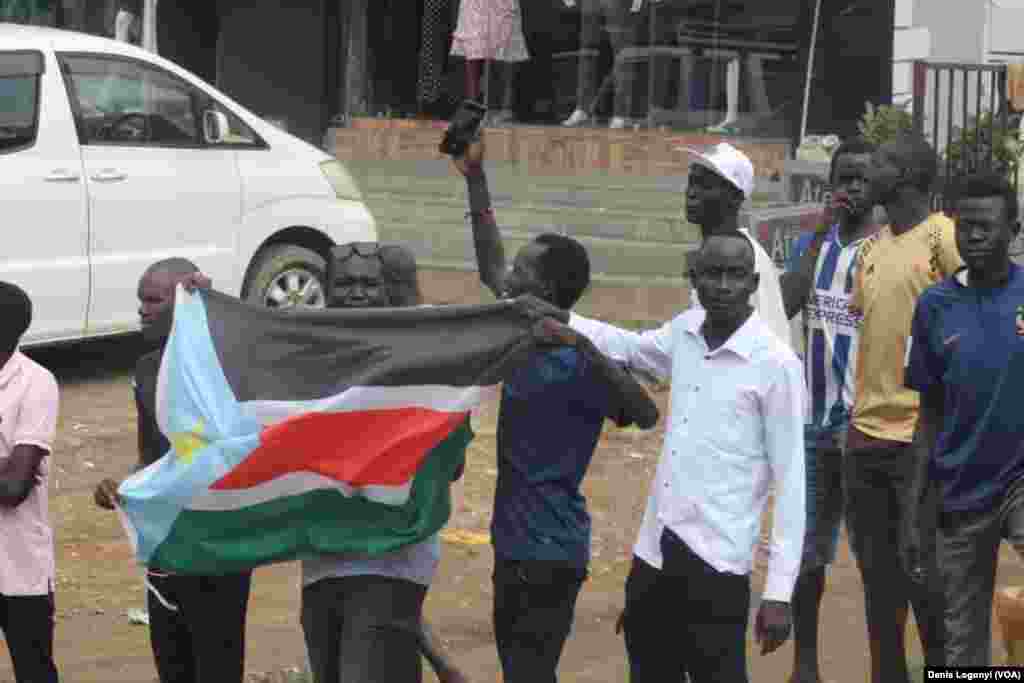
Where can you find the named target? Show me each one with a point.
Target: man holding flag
(197, 623)
(362, 614)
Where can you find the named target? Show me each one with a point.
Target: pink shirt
(28, 415)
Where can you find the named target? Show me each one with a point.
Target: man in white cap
(721, 179)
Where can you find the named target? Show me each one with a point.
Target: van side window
(20, 74)
(123, 102)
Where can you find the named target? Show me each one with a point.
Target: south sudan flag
(315, 432)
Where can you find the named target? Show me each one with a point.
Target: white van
(112, 158)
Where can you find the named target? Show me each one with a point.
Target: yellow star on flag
(187, 444)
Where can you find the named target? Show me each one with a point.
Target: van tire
(272, 263)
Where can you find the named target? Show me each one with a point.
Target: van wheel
(287, 276)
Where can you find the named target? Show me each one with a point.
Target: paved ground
(98, 583)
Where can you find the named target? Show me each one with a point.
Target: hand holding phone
(463, 129)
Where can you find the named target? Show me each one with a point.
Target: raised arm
(796, 281)
(490, 254)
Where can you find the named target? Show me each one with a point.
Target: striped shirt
(831, 331)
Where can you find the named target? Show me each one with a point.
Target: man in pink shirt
(28, 423)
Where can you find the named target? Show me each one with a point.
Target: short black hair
(565, 264)
(852, 146)
(17, 315)
(398, 266)
(730, 234)
(986, 184)
(176, 266)
(916, 158)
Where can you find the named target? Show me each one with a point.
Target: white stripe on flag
(429, 396)
(293, 484)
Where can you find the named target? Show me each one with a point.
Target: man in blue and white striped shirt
(819, 282)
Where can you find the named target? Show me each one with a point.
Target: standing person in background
(491, 30)
(895, 265)
(624, 23)
(967, 361)
(362, 614)
(197, 623)
(29, 402)
(720, 180)
(819, 283)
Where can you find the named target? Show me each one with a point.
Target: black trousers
(204, 640)
(363, 629)
(876, 484)
(27, 625)
(534, 604)
(686, 618)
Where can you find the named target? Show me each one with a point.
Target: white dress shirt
(735, 426)
(767, 299)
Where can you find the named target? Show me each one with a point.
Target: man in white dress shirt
(735, 429)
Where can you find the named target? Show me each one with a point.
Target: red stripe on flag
(367, 447)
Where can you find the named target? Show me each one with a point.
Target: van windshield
(19, 100)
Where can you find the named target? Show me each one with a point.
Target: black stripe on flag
(290, 355)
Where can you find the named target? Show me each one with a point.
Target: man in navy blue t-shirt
(552, 412)
(967, 361)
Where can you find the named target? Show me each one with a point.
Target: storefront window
(120, 19)
(731, 66)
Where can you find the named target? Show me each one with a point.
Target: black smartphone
(463, 129)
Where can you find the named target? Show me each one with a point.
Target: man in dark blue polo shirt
(552, 413)
(967, 361)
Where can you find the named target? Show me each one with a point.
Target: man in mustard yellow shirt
(916, 250)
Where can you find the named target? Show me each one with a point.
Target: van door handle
(108, 175)
(62, 175)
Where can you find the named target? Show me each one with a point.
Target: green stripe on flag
(318, 522)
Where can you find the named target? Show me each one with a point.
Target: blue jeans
(825, 499)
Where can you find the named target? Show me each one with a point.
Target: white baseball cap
(728, 162)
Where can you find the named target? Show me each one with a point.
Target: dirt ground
(98, 583)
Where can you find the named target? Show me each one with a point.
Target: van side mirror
(215, 126)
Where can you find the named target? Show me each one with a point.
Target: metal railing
(962, 110)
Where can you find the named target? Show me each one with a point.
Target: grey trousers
(968, 552)
(363, 629)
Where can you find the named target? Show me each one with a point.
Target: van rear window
(19, 99)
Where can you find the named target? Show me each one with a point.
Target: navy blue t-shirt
(552, 412)
(970, 341)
